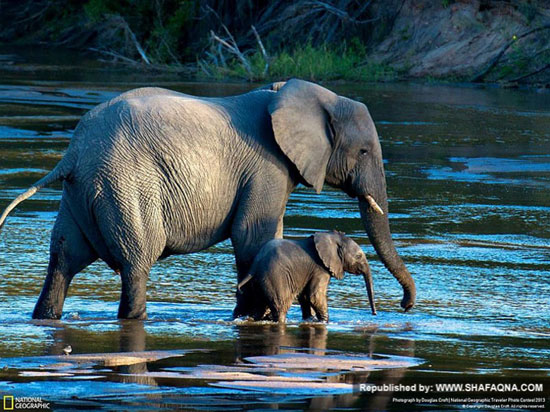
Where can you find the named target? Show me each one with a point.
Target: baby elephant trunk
(370, 289)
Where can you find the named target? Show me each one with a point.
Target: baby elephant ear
(326, 245)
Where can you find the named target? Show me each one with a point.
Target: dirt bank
(462, 40)
(457, 40)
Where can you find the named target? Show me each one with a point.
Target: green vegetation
(271, 40)
(309, 62)
(303, 38)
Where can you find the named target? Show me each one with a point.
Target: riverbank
(44, 66)
(450, 41)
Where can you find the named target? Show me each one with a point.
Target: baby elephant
(284, 270)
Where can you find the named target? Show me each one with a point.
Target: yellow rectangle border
(6, 399)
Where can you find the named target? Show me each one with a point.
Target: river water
(468, 173)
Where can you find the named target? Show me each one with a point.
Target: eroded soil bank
(380, 40)
(469, 40)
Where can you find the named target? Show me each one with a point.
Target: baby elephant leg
(321, 309)
(279, 310)
(318, 297)
(307, 311)
(279, 317)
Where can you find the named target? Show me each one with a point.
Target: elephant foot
(133, 301)
(237, 313)
(44, 309)
(46, 313)
(315, 319)
(139, 313)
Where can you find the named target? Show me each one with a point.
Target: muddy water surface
(469, 184)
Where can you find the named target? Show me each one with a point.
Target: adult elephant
(154, 172)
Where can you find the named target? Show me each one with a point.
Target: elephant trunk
(367, 275)
(378, 229)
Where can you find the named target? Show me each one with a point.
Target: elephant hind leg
(277, 315)
(305, 305)
(261, 313)
(133, 233)
(279, 310)
(280, 317)
(70, 252)
(133, 298)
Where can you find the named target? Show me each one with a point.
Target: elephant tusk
(373, 204)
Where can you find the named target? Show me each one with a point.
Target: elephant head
(332, 139)
(339, 253)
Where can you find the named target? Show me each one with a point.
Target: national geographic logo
(11, 403)
(8, 403)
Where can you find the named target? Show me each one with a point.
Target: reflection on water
(468, 179)
(525, 171)
(268, 359)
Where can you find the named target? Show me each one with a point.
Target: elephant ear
(327, 245)
(300, 116)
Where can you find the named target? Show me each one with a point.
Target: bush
(309, 62)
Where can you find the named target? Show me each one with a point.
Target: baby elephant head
(339, 253)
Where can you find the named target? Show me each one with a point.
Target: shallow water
(469, 181)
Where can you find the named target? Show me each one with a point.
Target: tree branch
(343, 15)
(480, 76)
(525, 76)
(113, 54)
(233, 48)
(136, 44)
(262, 49)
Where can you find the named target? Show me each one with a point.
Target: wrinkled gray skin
(285, 270)
(154, 172)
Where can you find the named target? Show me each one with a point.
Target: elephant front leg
(245, 301)
(259, 218)
(318, 296)
(247, 304)
(321, 310)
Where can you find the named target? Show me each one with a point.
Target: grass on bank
(306, 62)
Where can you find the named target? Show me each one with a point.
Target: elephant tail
(61, 171)
(243, 282)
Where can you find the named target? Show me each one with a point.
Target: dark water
(469, 182)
